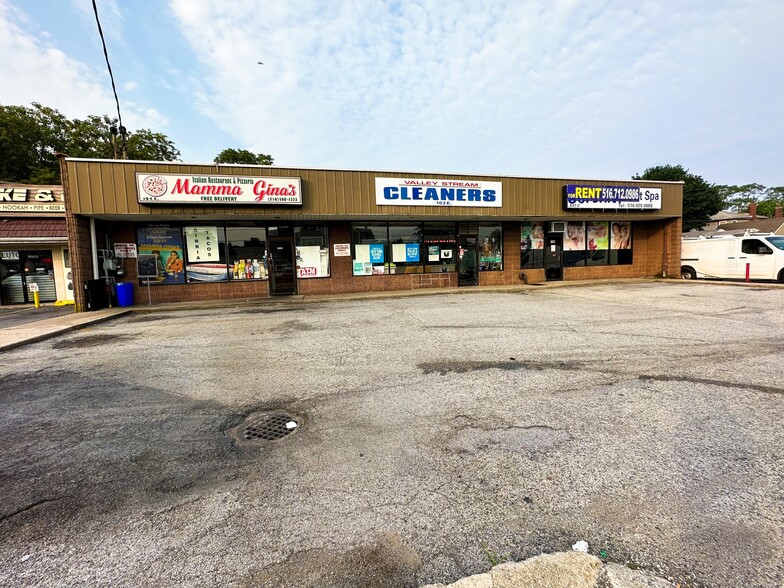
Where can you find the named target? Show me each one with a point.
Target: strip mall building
(33, 245)
(201, 232)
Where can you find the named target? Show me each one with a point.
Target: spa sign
(425, 192)
(212, 189)
(611, 197)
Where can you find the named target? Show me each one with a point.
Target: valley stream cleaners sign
(424, 192)
(209, 189)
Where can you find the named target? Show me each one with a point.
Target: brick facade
(648, 261)
(106, 190)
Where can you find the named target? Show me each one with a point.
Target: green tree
(738, 198)
(774, 197)
(700, 199)
(30, 138)
(243, 156)
(98, 137)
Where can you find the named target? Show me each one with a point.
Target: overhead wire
(122, 129)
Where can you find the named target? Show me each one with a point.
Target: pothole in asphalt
(88, 341)
(145, 318)
(534, 439)
(263, 310)
(266, 427)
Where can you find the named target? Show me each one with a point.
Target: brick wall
(648, 256)
(79, 247)
(672, 230)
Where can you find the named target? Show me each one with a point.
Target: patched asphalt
(436, 433)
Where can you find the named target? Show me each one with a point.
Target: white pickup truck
(730, 257)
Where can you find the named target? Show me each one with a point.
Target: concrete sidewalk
(16, 336)
(31, 332)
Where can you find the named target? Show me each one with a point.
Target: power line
(122, 129)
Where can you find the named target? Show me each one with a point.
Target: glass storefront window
(621, 243)
(369, 249)
(532, 245)
(574, 245)
(247, 253)
(440, 246)
(165, 242)
(205, 251)
(490, 248)
(312, 245)
(598, 242)
(405, 246)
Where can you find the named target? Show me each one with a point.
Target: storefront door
(553, 259)
(467, 266)
(283, 277)
(19, 269)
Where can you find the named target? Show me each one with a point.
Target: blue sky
(567, 88)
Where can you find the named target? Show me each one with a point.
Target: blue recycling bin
(124, 294)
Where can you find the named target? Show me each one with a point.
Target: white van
(727, 257)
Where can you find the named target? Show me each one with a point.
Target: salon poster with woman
(621, 235)
(166, 244)
(575, 237)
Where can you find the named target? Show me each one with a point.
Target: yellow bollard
(36, 299)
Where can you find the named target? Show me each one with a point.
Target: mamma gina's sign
(210, 189)
(425, 192)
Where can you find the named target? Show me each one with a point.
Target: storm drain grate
(268, 427)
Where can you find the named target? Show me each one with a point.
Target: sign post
(147, 267)
(36, 299)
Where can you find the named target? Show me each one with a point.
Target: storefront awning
(33, 229)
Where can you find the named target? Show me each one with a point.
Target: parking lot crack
(709, 382)
(35, 505)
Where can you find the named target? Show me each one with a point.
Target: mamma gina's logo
(438, 192)
(155, 186)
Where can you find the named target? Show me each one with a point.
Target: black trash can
(96, 294)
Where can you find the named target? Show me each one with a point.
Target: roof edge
(384, 171)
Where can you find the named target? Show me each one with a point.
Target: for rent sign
(213, 189)
(612, 197)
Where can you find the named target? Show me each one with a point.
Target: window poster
(202, 244)
(398, 252)
(165, 243)
(376, 251)
(204, 263)
(309, 263)
(574, 240)
(621, 235)
(598, 236)
(363, 268)
(362, 253)
(532, 236)
(433, 252)
(412, 252)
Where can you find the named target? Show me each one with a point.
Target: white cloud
(109, 14)
(130, 86)
(42, 73)
(599, 88)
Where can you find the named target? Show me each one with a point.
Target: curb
(379, 295)
(569, 569)
(55, 330)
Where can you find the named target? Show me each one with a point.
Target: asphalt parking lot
(435, 434)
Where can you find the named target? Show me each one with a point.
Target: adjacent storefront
(33, 245)
(247, 231)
